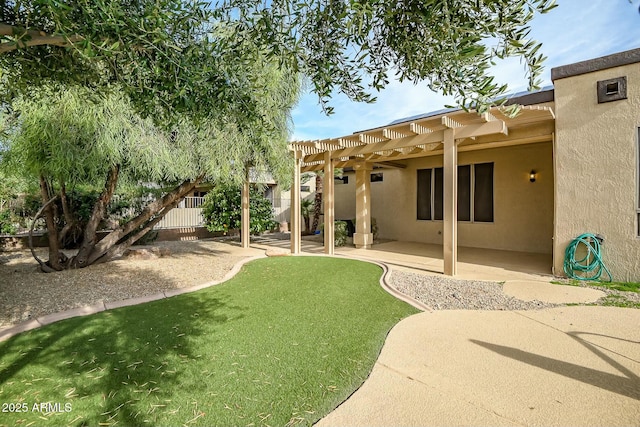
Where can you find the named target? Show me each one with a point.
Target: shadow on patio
(473, 263)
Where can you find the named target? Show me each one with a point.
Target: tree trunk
(43, 265)
(151, 214)
(117, 241)
(91, 229)
(117, 250)
(49, 217)
(71, 224)
(317, 203)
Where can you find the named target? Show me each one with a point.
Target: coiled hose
(591, 266)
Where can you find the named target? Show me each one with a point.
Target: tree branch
(27, 38)
(89, 240)
(119, 249)
(102, 247)
(49, 215)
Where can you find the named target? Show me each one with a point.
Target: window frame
(472, 192)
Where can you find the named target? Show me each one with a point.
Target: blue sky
(574, 31)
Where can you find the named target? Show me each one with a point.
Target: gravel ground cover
(440, 293)
(26, 292)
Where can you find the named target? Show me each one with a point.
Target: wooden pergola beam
(391, 144)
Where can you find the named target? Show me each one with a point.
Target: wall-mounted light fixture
(532, 176)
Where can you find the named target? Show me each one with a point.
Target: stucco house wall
(523, 211)
(596, 161)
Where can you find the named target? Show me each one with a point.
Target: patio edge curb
(389, 288)
(384, 283)
(87, 310)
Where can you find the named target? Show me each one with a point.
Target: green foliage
(72, 137)
(306, 207)
(340, 233)
(222, 210)
(172, 56)
(130, 200)
(7, 223)
(273, 333)
(169, 56)
(617, 286)
(614, 300)
(352, 46)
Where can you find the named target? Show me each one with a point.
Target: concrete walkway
(563, 366)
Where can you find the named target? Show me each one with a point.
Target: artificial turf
(282, 343)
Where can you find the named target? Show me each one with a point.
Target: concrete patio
(473, 263)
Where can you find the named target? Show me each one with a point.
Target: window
(464, 193)
(438, 194)
(483, 192)
(475, 193)
(376, 177)
(424, 193)
(341, 180)
(305, 188)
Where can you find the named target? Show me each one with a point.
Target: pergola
(444, 134)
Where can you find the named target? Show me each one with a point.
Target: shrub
(222, 210)
(340, 233)
(7, 225)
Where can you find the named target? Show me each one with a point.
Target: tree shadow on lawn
(122, 365)
(284, 342)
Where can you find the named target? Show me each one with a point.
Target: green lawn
(613, 300)
(282, 343)
(617, 286)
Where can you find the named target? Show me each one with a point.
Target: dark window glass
(438, 199)
(376, 177)
(464, 193)
(483, 193)
(424, 194)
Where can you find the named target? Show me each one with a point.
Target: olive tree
(154, 49)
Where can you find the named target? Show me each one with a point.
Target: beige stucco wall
(523, 211)
(596, 155)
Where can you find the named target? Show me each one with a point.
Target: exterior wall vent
(612, 89)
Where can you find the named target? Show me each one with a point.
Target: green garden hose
(591, 265)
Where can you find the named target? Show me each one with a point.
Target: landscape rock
(271, 252)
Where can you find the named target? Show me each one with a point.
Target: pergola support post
(329, 205)
(363, 238)
(296, 231)
(244, 215)
(450, 223)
